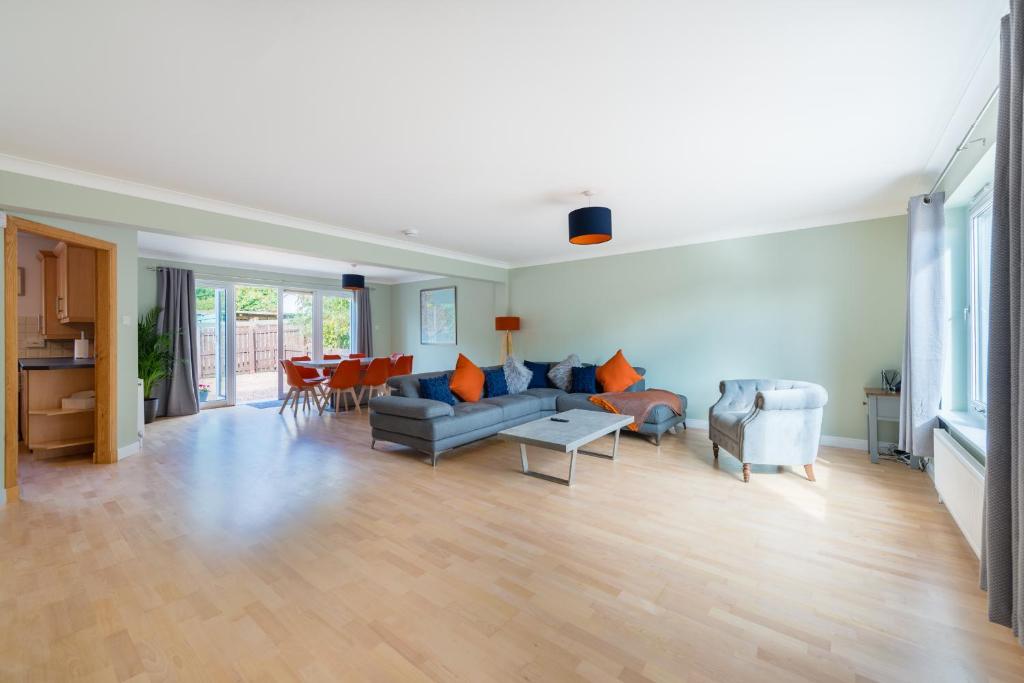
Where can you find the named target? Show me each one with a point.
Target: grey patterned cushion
(517, 375)
(561, 374)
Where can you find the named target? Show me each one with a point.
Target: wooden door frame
(105, 341)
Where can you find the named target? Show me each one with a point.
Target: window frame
(976, 403)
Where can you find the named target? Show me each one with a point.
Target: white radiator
(960, 482)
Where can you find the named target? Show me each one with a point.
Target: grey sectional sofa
(434, 427)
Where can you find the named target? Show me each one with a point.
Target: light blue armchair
(768, 422)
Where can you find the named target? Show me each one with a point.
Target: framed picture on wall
(438, 316)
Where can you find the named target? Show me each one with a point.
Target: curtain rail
(252, 280)
(963, 143)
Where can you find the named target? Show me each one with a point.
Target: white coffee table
(580, 428)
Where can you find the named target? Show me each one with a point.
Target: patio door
(295, 328)
(216, 340)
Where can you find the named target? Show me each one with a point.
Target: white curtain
(924, 346)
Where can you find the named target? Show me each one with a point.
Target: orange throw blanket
(639, 404)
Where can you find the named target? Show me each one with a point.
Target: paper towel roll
(81, 348)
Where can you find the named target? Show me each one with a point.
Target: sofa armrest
(801, 398)
(414, 408)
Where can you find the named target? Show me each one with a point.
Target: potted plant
(204, 392)
(155, 359)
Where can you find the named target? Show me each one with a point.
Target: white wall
(28, 246)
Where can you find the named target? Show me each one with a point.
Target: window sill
(966, 426)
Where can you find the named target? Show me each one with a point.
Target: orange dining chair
(343, 383)
(376, 377)
(299, 385)
(308, 373)
(330, 356)
(401, 366)
(357, 355)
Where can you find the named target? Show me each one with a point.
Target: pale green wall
(127, 305)
(478, 302)
(824, 305)
(380, 295)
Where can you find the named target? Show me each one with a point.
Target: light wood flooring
(247, 545)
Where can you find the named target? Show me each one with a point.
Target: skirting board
(129, 450)
(833, 441)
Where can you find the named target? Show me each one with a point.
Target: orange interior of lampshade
(590, 239)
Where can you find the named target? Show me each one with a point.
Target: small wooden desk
(883, 406)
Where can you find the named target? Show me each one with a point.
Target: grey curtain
(364, 322)
(1002, 553)
(176, 297)
(923, 348)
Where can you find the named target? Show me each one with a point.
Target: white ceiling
(232, 255)
(477, 123)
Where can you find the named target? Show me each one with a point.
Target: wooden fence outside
(255, 346)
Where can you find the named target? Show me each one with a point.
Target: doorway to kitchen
(96, 260)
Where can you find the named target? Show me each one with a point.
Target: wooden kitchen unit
(46, 427)
(76, 283)
(50, 325)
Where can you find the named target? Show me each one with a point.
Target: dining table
(321, 363)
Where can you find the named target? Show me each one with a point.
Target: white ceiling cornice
(62, 174)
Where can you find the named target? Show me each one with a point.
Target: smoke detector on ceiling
(411, 233)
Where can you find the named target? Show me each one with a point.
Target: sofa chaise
(434, 427)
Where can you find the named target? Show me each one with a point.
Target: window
(980, 227)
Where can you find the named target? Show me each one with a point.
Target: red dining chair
(343, 383)
(357, 355)
(376, 377)
(299, 385)
(330, 356)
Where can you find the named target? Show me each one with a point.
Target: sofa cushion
(494, 382)
(436, 389)
(468, 380)
(517, 375)
(515, 405)
(467, 417)
(560, 373)
(584, 380)
(547, 397)
(617, 374)
(416, 408)
(539, 380)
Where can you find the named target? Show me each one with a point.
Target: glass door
(216, 344)
(336, 323)
(256, 343)
(296, 327)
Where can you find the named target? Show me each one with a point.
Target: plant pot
(149, 408)
(203, 395)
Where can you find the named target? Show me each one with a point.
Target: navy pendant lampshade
(590, 225)
(353, 281)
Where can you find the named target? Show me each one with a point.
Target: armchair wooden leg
(284, 403)
(809, 469)
(746, 472)
(714, 449)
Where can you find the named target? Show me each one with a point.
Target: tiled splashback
(32, 345)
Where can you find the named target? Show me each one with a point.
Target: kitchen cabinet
(50, 326)
(45, 424)
(76, 283)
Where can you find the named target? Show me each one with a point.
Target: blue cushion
(540, 375)
(584, 380)
(436, 388)
(494, 383)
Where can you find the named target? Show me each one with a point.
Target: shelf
(60, 443)
(61, 411)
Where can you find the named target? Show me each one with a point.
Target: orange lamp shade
(506, 323)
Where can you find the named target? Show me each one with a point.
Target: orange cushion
(467, 381)
(617, 374)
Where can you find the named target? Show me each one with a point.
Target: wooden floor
(245, 545)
